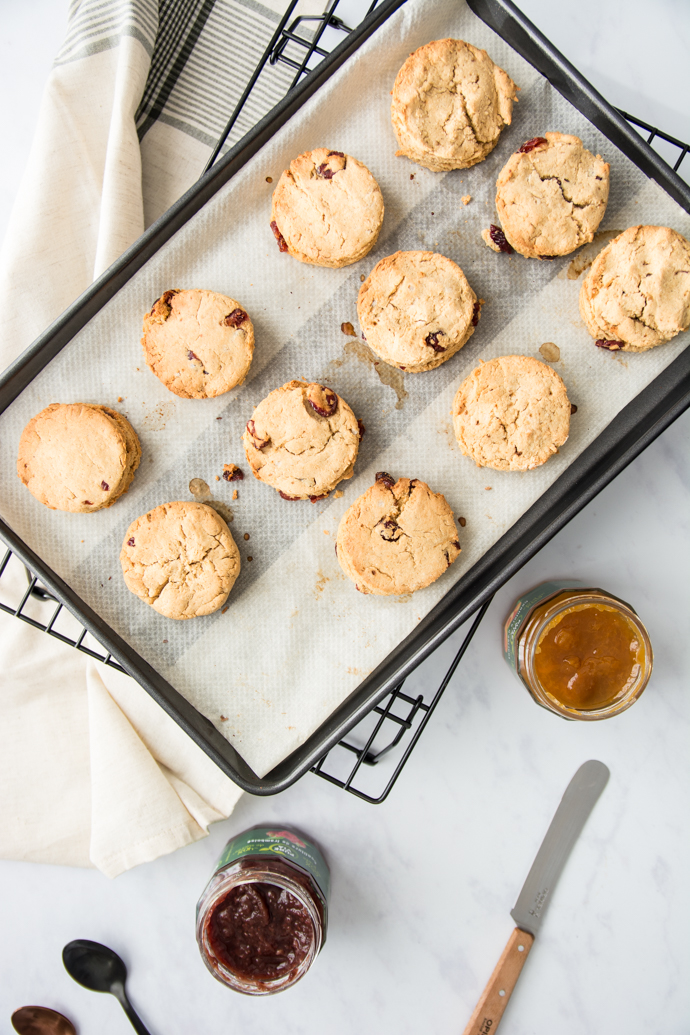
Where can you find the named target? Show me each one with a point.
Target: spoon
(99, 968)
(40, 1020)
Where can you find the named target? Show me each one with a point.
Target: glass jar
(581, 652)
(261, 920)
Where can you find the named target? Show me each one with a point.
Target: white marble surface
(423, 885)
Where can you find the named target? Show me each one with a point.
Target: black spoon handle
(133, 1016)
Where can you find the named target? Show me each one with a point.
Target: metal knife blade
(580, 797)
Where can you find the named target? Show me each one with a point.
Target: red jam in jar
(261, 920)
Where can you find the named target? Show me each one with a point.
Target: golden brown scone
(416, 310)
(511, 414)
(78, 457)
(302, 440)
(181, 559)
(450, 103)
(637, 293)
(327, 209)
(398, 537)
(551, 196)
(198, 343)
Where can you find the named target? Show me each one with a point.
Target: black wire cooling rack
(369, 760)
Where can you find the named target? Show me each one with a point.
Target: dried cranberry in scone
(258, 441)
(282, 243)
(612, 346)
(323, 400)
(235, 318)
(335, 163)
(432, 341)
(499, 239)
(530, 145)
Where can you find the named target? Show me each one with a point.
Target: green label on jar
(285, 844)
(523, 607)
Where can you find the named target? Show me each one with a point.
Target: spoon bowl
(41, 1020)
(93, 965)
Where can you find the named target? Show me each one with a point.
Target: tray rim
(633, 428)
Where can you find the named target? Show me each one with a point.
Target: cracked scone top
(198, 343)
(551, 196)
(416, 310)
(398, 537)
(78, 457)
(181, 559)
(302, 440)
(327, 209)
(511, 413)
(450, 103)
(637, 293)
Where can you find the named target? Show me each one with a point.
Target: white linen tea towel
(93, 772)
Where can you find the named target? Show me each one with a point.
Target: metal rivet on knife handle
(495, 996)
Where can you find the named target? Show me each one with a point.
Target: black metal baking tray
(624, 438)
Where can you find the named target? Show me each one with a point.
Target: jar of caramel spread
(581, 652)
(261, 921)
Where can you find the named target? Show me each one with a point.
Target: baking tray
(634, 427)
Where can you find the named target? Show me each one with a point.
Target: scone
(78, 457)
(511, 413)
(416, 310)
(637, 293)
(302, 440)
(198, 343)
(181, 559)
(450, 103)
(398, 537)
(551, 196)
(327, 209)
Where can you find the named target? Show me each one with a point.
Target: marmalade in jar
(581, 653)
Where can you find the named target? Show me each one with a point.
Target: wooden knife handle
(495, 996)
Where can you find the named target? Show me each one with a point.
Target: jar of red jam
(262, 918)
(581, 652)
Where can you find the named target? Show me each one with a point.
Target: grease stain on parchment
(200, 490)
(387, 375)
(550, 352)
(586, 256)
(445, 428)
(202, 494)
